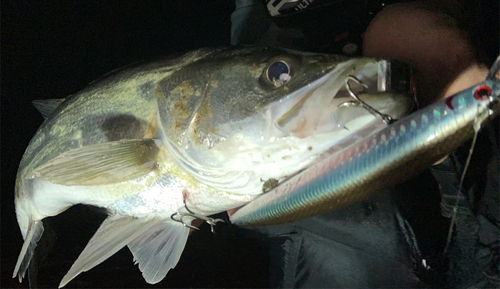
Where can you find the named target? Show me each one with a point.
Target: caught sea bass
(164, 143)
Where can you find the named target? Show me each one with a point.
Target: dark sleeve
(366, 245)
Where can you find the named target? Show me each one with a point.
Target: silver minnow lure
(379, 161)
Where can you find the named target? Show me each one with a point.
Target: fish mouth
(318, 108)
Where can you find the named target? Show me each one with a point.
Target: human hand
(431, 41)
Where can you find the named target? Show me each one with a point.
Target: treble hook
(211, 221)
(387, 119)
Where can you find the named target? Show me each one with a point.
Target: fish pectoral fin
(158, 249)
(113, 234)
(47, 106)
(32, 237)
(101, 164)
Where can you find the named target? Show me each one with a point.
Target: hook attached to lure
(179, 217)
(387, 119)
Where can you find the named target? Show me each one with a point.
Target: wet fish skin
(202, 127)
(379, 161)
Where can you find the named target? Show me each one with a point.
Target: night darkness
(51, 49)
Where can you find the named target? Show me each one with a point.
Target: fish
(380, 160)
(161, 144)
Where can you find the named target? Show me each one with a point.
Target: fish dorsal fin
(100, 164)
(47, 106)
(158, 249)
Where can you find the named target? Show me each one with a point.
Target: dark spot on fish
(146, 90)
(309, 148)
(123, 126)
(269, 185)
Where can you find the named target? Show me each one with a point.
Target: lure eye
(482, 92)
(277, 73)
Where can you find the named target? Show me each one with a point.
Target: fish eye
(277, 73)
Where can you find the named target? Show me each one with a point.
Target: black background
(51, 49)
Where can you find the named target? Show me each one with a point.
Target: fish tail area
(30, 210)
(156, 245)
(35, 231)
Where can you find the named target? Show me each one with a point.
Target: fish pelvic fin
(35, 231)
(166, 238)
(159, 249)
